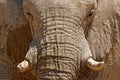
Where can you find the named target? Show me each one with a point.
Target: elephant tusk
(23, 66)
(94, 65)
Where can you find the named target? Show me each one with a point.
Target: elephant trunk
(59, 48)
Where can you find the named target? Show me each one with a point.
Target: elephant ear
(105, 29)
(18, 42)
(15, 34)
(17, 31)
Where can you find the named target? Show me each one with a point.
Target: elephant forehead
(53, 5)
(57, 3)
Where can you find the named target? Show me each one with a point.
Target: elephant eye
(28, 13)
(91, 13)
(29, 16)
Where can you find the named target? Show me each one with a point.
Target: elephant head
(59, 44)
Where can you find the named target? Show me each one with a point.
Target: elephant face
(59, 43)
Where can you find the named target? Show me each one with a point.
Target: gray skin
(59, 45)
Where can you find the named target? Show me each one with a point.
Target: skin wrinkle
(56, 54)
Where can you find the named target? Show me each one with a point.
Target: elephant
(101, 32)
(59, 47)
(15, 37)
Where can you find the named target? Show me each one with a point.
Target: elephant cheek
(87, 58)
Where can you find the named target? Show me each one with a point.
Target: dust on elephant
(59, 45)
(15, 37)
